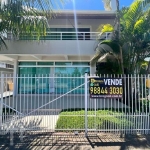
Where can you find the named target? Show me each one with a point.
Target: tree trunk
(121, 60)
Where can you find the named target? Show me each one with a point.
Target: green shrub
(145, 105)
(103, 118)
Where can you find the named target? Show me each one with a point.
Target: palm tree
(130, 42)
(25, 17)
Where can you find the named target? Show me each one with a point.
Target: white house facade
(66, 49)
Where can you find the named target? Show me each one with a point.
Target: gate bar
(86, 121)
(1, 99)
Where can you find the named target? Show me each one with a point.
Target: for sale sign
(106, 87)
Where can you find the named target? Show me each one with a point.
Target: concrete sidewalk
(59, 141)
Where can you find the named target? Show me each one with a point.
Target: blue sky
(91, 4)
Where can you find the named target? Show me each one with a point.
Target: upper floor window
(62, 34)
(68, 33)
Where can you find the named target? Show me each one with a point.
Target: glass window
(27, 79)
(27, 71)
(73, 71)
(63, 85)
(42, 80)
(69, 36)
(63, 63)
(64, 36)
(80, 63)
(45, 63)
(27, 63)
(38, 81)
(42, 71)
(68, 29)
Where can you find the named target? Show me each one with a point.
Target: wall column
(15, 79)
(52, 72)
(93, 69)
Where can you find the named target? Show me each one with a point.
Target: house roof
(85, 14)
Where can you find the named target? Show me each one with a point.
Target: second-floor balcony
(65, 36)
(54, 44)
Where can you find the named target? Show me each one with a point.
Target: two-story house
(70, 43)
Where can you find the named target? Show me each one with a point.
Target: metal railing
(65, 36)
(62, 103)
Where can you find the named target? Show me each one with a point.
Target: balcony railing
(66, 36)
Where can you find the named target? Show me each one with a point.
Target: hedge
(103, 118)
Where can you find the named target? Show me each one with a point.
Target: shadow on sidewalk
(127, 142)
(71, 142)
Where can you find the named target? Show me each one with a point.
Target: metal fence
(61, 103)
(66, 36)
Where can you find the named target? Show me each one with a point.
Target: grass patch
(104, 119)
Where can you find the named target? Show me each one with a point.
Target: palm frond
(113, 46)
(2, 43)
(134, 12)
(27, 16)
(108, 57)
(138, 27)
(133, 44)
(142, 24)
(106, 46)
(105, 28)
(18, 19)
(45, 6)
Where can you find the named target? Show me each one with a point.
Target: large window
(63, 85)
(72, 71)
(33, 78)
(67, 33)
(62, 34)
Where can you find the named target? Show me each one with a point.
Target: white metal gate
(61, 103)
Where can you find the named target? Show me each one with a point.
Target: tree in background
(129, 44)
(25, 17)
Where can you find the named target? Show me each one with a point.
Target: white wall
(55, 47)
(58, 47)
(90, 23)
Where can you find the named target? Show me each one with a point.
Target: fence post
(1, 99)
(15, 78)
(86, 119)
